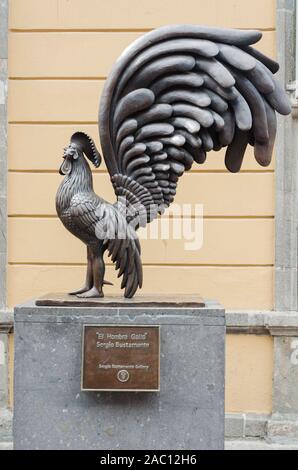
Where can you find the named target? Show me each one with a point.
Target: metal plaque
(120, 358)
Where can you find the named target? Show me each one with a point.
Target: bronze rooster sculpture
(175, 94)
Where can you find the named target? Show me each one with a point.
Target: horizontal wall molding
(106, 30)
(237, 322)
(258, 322)
(6, 321)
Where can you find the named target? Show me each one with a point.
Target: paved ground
(247, 444)
(5, 445)
(260, 444)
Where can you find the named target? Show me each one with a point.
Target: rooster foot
(79, 291)
(87, 288)
(92, 293)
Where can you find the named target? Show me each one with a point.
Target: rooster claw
(92, 293)
(87, 288)
(79, 291)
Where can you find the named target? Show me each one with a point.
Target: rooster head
(80, 144)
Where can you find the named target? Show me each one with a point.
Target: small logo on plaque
(123, 375)
(120, 357)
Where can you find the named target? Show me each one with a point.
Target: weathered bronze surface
(153, 300)
(174, 95)
(120, 358)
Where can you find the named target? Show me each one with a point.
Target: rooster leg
(89, 276)
(98, 270)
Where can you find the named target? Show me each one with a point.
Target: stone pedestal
(51, 411)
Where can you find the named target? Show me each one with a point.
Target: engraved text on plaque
(120, 357)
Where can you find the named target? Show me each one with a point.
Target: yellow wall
(249, 369)
(59, 55)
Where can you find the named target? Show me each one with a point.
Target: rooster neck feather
(79, 180)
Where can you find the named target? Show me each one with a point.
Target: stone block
(234, 425)
(51, 411)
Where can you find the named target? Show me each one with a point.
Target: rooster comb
(86, 144)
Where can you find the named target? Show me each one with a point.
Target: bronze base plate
(151, 300)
